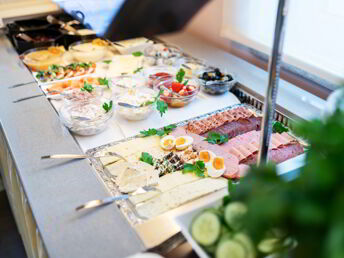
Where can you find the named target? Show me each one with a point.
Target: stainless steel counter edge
(55, 188)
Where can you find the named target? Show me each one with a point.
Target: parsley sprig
(161, 106)
(278, 127)
(87, 87)
(147, 158)
(164, 131)
(216, 138)
(180, 75)
(198, 168)
(137, 53)
(107, 61)
(104, 81)
(107, 106)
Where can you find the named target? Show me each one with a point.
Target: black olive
(205, 76)
(218, 73)
(217, 70)
(229, 77)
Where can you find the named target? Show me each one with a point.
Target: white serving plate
(133, 45)
(184, 222)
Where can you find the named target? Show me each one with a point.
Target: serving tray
(150, 231)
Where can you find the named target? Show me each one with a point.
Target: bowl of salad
(164, 54)
(215, 82)
(179, 90)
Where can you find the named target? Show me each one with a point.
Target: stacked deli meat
(243, 129)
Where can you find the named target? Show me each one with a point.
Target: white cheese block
(165, 184)
(179, 196)
(125, 149)
(136, 175)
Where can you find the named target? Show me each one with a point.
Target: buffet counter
(43, 194)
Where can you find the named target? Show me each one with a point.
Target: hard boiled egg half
(168, 142)
(216, 168)
(182, 142)
(206, 156)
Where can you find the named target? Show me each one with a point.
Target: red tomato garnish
(161, 74)
(176, 86)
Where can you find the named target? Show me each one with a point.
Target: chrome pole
(274, 75)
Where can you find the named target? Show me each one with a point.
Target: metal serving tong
(111, 199)
(82, 156)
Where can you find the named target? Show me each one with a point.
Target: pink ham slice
(238, 127)
(245, 147)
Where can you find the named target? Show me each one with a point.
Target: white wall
(207, 24)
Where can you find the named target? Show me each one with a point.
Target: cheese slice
(165, 184)
(129, 148)
(136, 175)
(179, 196)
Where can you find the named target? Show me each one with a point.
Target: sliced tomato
(161, 74)
(177, 87)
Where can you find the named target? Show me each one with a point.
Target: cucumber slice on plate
(270, 245)
(230, 249)
(245, 240)
(234, 213)
(206, 228)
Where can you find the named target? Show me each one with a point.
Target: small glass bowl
(85, 51)
(121, 84)
(193, 66)
(39, 59)
(164, 54)
(154, 72)
(174, 99)
(216, 87)
(85, 117)
(136, 97)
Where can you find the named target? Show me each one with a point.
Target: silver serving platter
(151, 231)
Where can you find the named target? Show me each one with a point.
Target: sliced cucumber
(247, 243)
(270, 245)
(206, 228)
(230, 249)
(234, 213)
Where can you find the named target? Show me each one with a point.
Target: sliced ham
(231, 122)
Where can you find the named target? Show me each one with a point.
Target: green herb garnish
(40, 74)
(138, 70)
(216, 138)
(147, 158)
(198, 168)
(180, 75)
(161, 106)
(186, 82)
(107, 61)
(137, 53)
(72, 66)
(104, 81)
(85, 65)
(87, 87)
(54, 67)
(164, 131)
(278, 127)
(107, 107)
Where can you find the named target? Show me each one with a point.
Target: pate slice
(130, 147)
(179, 196)
(165, 183)
(136, 175)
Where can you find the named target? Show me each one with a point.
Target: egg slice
(206, 156)
(182, 142)
(168, 142)
(217, 167)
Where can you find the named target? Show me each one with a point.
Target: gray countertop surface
(55, 188)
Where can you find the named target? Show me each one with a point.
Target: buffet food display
(186, 161)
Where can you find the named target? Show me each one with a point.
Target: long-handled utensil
(111, 199)
(82, 156)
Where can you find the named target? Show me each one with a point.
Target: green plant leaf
(137, 53)
(180, 75)
(147, 158)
